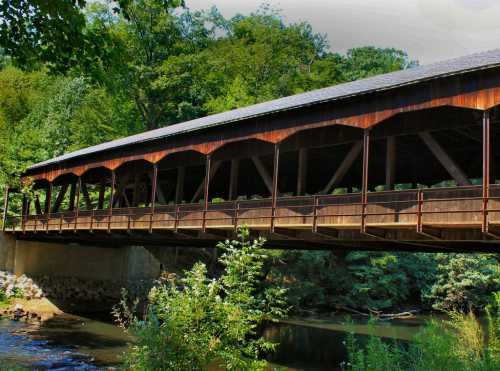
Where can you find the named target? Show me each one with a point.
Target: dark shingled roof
(473, 62)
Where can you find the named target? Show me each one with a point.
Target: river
(77, 343)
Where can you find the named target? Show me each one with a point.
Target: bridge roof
(461, 65)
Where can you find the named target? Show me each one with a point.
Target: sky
(428, 30)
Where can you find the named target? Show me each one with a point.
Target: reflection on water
(63, 343)
(318, 344)
(77, 343)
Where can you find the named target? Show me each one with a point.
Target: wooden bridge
(403, 161)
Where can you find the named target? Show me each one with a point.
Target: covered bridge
(404, 160)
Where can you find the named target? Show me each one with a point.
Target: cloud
(462, 15)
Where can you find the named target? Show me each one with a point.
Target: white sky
(428, 30)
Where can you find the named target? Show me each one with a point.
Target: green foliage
(362, 280)
(198, 321)
(456, 345)
(34, 31)
(464, 281)
(3, 297)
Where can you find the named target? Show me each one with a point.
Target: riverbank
(29, 309)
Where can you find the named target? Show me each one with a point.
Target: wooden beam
(135, 196)
(302, 171)
(199, 190)
(86, 197)
(111, 199)
(60, 198)
(274, 193)
(451, 166)
(179, 188)
(346, 164)
(38, 207)
(78, 185)
(159, 190)
(364, 178)
(390, 163)
(72, 196)
(208, 173)
(233, 179)
(268, 180)
(154, 185)
(486, 169)
(48, 197)
(102, 190)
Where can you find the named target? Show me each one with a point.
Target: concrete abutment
(80, 278)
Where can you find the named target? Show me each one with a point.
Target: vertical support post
(72, 196)
(48, 203)
(179, 188)
(274, 195)
(38, 208)
(24, 209)
(315, 214)
(111, 198)
(28, 208)
(78, 186)
(390, 163)
(207, 184)
(486, 168)
(5, 206)
(236, 216)
(102, 190)
(154, 185)
(302, 171)
(233, 180)
(420, 202)
(135, 194)
(364, 184)
(48, 198)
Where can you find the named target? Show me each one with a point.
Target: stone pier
(80, 277)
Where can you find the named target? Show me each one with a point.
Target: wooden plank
(274, 194)
(199, 190)
(38, 207)
(48, 197)
(86, 197)
(179, 187)
(159, 191)
(448, 163)
(268, 180)
(102, 190)
(233, 179)
(302, 171)
(390, 163)
(60, 198)
(72, 196)
(346, 164)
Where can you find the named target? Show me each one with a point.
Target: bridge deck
(446, 214)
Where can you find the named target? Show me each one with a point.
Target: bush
(198, 321)
(464, 281)
(459, 344)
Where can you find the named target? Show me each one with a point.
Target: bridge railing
(452, 207)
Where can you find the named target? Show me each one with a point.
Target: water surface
(77, 343)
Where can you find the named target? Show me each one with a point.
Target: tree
(464, 281)
(198, 321)
(47, 31)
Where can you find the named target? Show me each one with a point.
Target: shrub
(464, 281)
(457, 344)
(198, 321)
